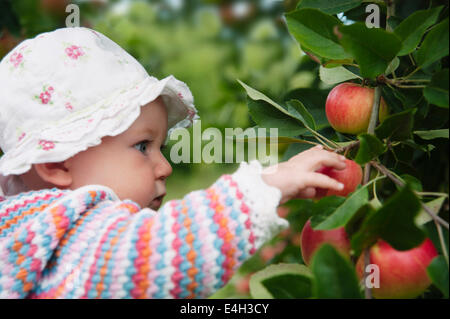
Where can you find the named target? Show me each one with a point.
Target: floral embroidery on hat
(74, 52)
(46, 95)
(21, 136)
(17, 58)
(69, 106)
(46, 145)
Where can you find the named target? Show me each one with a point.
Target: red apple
(311, 240)
(348, 108)
(402, 273)
(351, 176)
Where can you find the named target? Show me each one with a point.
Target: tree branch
(398, 182)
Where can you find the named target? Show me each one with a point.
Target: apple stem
(437, 194)
(412, 73)
(345, 149)
(410, 86)
(313, 57)
(322, 139)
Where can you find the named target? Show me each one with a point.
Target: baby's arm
(90, 244)
(201, 240)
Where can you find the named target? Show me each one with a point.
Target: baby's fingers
(325, 158)
(323, 181)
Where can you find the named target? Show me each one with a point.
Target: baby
(82, 126)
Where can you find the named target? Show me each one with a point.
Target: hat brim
(108, 117)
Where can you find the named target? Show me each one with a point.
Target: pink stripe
(93, 269)
(176, 277)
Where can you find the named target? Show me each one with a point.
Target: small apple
(403, 274)
(311, 240)
(351, 176)
(348, 108)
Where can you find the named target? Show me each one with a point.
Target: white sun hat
(64, 90)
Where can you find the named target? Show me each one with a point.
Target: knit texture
(87, 243)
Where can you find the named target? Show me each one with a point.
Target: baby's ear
(54, 173)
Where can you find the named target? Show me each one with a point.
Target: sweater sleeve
(107, 248)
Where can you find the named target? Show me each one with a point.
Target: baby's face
(131, 163)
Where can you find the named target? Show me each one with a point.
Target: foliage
(408, 63)
(223, 57)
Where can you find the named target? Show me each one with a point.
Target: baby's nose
(164, 168)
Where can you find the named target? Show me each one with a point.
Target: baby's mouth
(156, 202)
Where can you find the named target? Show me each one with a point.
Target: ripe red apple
(402, 273)
(311, 240)
(348, 108)
(351, 176)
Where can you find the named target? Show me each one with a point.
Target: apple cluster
(402, 273)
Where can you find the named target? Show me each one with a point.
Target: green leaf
(364, 45)
(392, 66)
(288, 286)
(430, 135)
(394, 222)
(313, 29)
(397, 127)
(432, 233)
(334, 276)
(434, 46)
(438, 272)
(266, 116)
(339, 212)
(324, 208)
(435, 206)
(314, 101)
(354, 224)
(411, 30)
(414, 182)
(437, 91)
(269, 114)
(336, 75)
(259, 291)
(254, 134)
(330, 6)
(423, 148)
(369, 148)
(296, 108)
(256, 95)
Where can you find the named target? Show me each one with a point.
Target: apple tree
(395, 222)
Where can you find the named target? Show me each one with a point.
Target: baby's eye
(142, 146)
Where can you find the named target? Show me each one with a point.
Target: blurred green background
(205, 43)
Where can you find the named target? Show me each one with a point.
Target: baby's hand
(297, 178)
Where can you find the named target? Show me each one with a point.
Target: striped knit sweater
(87, 243)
